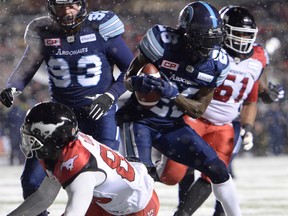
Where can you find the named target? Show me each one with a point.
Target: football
(150, 99)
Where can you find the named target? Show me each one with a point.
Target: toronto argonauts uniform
(161, 46)
(78, 65)
(164, 123)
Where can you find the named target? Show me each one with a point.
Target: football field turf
(262, 185)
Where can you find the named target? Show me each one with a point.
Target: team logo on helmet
(186, 17)
(46, 130)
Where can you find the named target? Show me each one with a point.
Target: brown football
(150, 99)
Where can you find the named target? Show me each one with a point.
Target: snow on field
(262, 184)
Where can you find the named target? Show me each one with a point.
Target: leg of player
(194, 197)
(204, 159)
(219, 211)
(185, 184)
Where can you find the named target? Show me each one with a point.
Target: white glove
(247, 136)
(276, 92)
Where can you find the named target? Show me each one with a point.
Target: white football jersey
(128, 185)
(238, 85)
(123, 187)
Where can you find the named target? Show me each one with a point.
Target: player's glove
(247, 136)
(165, 88)
(100, 105)
(141, 83)
(276, 92)
(7, 96)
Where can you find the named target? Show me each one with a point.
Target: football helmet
(202, 27)
(240, 28)
(47, 128)
(65, 21)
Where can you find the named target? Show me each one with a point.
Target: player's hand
(142, 83)
(247, 136)
(276, 92)
(7, 96)
(100, 105)
(165, 88)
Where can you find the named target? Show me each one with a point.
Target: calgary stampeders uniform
(125, 188)
(240, 85)
(215, 125)
(163, 46)
(79, 65)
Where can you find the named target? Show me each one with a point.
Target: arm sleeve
(39, 200)
(80, 192)
(122, 56)
(31, 59)
(26, 68)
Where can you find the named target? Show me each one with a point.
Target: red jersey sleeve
(253, 95)
(74, 158)
(261, 55)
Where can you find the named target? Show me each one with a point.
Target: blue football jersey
(82, 65)
(162, 45)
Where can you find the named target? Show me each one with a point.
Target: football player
(192, 64)
(238, 92)
(80, 50)
(98, 180)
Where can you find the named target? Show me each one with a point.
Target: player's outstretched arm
(40, 200)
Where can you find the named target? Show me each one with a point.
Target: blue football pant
(179, 143)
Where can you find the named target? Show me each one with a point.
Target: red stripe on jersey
(253, 95)
(259, 54)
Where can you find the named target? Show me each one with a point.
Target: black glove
(7, 96)
(276, 92)
(100, 105)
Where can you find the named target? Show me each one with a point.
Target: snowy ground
(262, 184)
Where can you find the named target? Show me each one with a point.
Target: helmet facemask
(29, 144)
(240, 39)
(202, 28)
(47, 128)
(241, 29)
(68, 21)
(42, 149)
(204, 43)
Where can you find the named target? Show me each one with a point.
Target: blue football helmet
(240, 28)
(47, 128)
(202, 27)
(67, 23)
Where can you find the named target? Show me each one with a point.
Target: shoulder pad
(222, 66)
(261, 54)
(108, 23)
(37, 27)
(151, 44)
